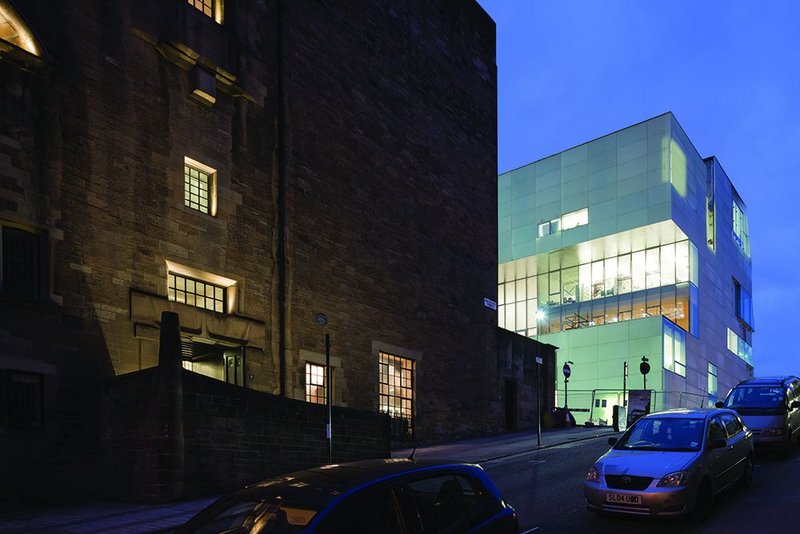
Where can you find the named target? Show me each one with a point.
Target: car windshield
(663, 434)
(253, 516)
(756, 398)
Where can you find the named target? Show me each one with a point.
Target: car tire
(747, 476)
(702, 503)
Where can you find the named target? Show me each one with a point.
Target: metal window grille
(20, 275)
(197, 188)
(24, 400)
(316, 391)
(206, 6)
(196, 293)
(396, 395)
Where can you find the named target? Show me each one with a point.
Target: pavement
(129, 518)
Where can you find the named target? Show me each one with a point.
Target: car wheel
(747, 476)
(702, 503)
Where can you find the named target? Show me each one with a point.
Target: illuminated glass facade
(630, 245)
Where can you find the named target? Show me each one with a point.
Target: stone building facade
(274, 172)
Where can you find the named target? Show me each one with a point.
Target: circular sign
(644, 367)
(567, 371)
(321, 319)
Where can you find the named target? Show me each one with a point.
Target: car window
(731, 424)
(373, 511)
(715, 429)
(443, 501)
(256, 516)
(663, 434)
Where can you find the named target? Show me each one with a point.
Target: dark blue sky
(571, 71)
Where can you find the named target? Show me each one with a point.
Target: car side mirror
(717, 443)
(719, 404)
(612, 441)
(795, 405)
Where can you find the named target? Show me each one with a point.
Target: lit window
(397, 389)
(199, 187)
(712, 383)
(739, 346)
(21, 263)
(741, 234)
(575, 219)
(209, 8)
(674, 348)
(196, 293)
(315, 384)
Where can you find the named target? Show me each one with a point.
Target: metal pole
(538, 399)
(624, 383)
(566, 381)
(328, 388)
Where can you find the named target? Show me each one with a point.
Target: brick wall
(227, 436)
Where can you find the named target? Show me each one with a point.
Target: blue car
(371, 496)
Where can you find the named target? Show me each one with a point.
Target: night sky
(572, 71)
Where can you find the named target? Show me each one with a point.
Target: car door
(719, 459)
(738, 447)
(373, 510)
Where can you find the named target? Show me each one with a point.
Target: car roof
(768, 381)
(317, 486)
(689, 413)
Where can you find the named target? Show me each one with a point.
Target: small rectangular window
(199, 187)
(21, 263)
(574, 219)
(712, 383)
(207, 7)
(316, 384)
(24, 399)
(198, 293)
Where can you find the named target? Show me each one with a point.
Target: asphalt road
(545, 487)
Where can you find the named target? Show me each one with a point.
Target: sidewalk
(127, 518)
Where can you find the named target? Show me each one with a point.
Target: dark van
(770, 408)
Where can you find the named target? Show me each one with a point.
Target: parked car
(371, 496)
(671, 463)
(770, 408)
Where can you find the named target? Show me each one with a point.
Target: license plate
(623, 498)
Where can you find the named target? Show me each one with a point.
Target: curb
(539, 448)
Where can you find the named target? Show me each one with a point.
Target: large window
(396, 377)
(644, 283)
(739, 346)
(674, 349)
(20, 273)
(315, 384)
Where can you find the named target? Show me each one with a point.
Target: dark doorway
(511, 405)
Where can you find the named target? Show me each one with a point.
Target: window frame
(387, 400)
(38, 287)
(213, 9)
(191, 198)
(316, 398)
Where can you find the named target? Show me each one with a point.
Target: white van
(770, 408)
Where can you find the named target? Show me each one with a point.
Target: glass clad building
(629, 246)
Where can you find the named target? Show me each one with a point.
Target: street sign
(489, 303)
(566, 370)
(644, 367)
(539, 360)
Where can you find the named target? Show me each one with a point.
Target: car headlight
(773, 431)
(593, 475)
(673, 480)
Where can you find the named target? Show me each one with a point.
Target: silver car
(671, 463)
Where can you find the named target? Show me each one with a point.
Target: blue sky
(571, 71)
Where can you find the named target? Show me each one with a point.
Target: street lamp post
(539, 316)
(567, 370)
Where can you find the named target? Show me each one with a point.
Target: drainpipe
(281, 149)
